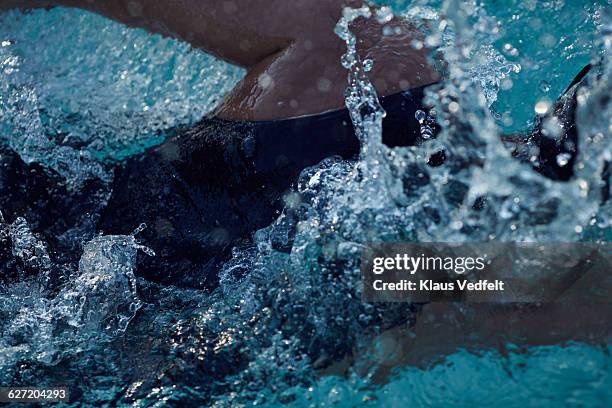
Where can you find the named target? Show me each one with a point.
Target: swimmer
(288, 48)
(209, 187)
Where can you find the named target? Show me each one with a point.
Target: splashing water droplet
(384, 14)
(542, 107)
(387, 31)
(416, 44)
(544, 86)
(453, 107)
(426, 132)
(346, 61)
(420, 116)
(368, 65)
(563, 159)
(552, 127)
(426, 123)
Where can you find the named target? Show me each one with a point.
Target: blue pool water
(90, 91)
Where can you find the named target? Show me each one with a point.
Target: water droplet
(542, 107)
(384, 14)
(456, 225)
(368, 65)
(420, 116)
(416, 44)
(544, 86)
(265, 81)
(563, 159)
(426, 132)
(552, 127)
(387, 31)
(138, 230)
(346, 61)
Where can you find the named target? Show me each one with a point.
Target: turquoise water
(572, 375)
(550, 40)
(92, 88)
(111, 90)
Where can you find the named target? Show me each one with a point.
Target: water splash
(479, 193)
(289, 305)
(594, 122)
(89, 305)
(22, 128)
(92, 90)
(31, 250)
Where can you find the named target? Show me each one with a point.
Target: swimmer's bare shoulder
(288, 48)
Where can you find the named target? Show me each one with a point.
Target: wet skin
(289, 48)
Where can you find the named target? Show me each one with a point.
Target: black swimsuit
(207, 189)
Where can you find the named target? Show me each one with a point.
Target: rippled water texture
(90, 91)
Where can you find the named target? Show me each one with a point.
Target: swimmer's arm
(242, 32)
